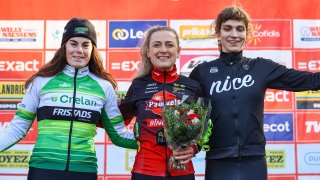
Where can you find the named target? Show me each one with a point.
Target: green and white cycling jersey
(68, 106)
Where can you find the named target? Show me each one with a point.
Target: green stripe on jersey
(85, 85)
(25, 114)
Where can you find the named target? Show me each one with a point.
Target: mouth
(234, 42)
(163, 58)
(78, 57)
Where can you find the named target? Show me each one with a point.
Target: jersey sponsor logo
(19, 65)
(127, 34)
(178, 87)
(276, 159)
(123, 64)
(228, 84)
(65, 113)
(308, 126)
(278, 99)
(270, 34)
(79, 100)
(68, 113)
(278, 127)
(155, 123)
(157, 102)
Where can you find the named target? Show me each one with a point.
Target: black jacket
(144, 100)
(236, 86)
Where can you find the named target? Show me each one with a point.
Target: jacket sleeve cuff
(196, 149)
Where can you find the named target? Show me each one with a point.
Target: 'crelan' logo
(81, 100)
(156, 103)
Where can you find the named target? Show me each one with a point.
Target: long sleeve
(114, 124)
(127, 106)
(281, 77)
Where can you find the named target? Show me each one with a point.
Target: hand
(184, 155)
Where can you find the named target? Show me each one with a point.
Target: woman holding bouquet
(157, 83)
(236, 86)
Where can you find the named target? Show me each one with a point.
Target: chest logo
(213, 70)
(157, 101)
(228, 84)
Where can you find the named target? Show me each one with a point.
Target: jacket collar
(171, 75)
(70, 71)
(231, 58)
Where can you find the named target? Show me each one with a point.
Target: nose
(79, 49)
(234, 33)
(163, 48)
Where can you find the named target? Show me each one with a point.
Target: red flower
(187, 121)
(191, 116)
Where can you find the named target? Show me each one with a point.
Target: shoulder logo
(213, 70)
(245, 66)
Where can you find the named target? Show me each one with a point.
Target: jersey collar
(171, 75)
(70, 71)
(231, 58)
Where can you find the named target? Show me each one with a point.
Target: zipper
(164, 105)
(235, 112)
(73, 118)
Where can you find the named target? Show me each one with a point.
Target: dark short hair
(232, 13)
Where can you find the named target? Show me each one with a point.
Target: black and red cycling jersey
(145, 99)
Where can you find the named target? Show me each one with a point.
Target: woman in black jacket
(236, 86)
(157, 82)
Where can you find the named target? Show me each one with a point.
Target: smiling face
(78, 51)
(163, 50)
(232, 36)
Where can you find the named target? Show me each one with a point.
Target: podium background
(285, 31)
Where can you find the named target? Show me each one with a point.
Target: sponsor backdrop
(286, 31)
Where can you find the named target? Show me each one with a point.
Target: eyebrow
(161, 42)
(233, 26)
(79, 42)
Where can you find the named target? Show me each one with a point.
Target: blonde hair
(146, 66)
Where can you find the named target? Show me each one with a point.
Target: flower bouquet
(187, 124)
